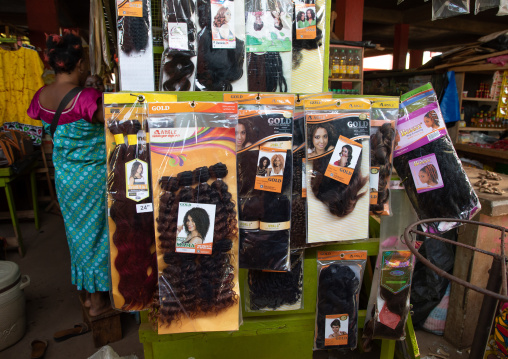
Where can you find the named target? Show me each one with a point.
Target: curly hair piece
(228, 206)
(298, 203)
(135, 31)
(381, 144)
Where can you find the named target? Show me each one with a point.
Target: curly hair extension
(170, 289)
(63, 52)
(381, 144)
(220, 171)
(458, 194)
(275, 289)
(217, 69)
(135, 31)
(177, 70)
(247, 167)
(306, 44)
(340, 198)
(298, 203)
(338, 289)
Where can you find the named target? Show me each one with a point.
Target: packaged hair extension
(133, 262)
(221, 46)
(135, 54)
(428, 165)
(442, 9)
(179, 33)
(337, 135)
(340, 276)
(264, 145)
(276, 291)
(385, 111)
(309, 38)
(299, 197)
(194, 179)
(268, 27)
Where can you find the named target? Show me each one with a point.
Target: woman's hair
(281, 161)
(135, 31)
(177, 69)
(135, 167)
(258, 27)
(63, 52)
(433, 116)
(349, 154)
(249, 129)
(431, 171)
(220, 17)
(263, 159)
(299, 16)
(200, 218)
(381, 144)
(335, 323)
(312, 14)
(330, 130)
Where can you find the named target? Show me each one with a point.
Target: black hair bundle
(381, 144)
(135, 31)
(298, 203)
(265, 72)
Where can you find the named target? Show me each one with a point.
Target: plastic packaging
(337, 135)
(264, 145)
(503, 8)
(340, 276)
(427, 163)
(442, 9)
(385, 111)
(179, 34)
(221, 46)
(482, 5)
(276, 291)
(193, 161)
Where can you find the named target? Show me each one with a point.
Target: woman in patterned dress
(80, 167)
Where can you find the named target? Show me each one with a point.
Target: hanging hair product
(337, 158)
(264, 145)
(280, 291)
(382, 128)
(339, 280)
(428, 165)
(192, 147)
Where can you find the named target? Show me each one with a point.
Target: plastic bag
(337, 135)
(442, 9)
(194, 179)
(385, 111)
(264, 145)
(503, 8)
(482, 5)
(427, 163)
(276, 291)
(340, 276)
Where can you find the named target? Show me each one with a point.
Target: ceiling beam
(382, 16)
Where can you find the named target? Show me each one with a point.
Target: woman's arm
(196, 240)
(98, 115)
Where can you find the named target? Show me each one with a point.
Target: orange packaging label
(186, 107)
(204, 248)
(130, 8)
(260, 99)
(343, 161)
(373, 197)
(341, 255)
(270, 170)
(374, 184)
(336, 329)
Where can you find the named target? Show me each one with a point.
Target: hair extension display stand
(193, 152)
(385, 111)
(337, 135)
(428, 165)
(264, 145)
(135, 55)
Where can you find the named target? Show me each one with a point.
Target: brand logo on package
(171, 135)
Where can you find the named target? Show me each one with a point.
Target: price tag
(144, 208)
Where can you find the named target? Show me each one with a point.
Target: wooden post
(415, 58)
(42, 17)
(400, 46)
(348, 25)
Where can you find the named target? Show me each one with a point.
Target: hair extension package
(194, 179)
(269, 26)
(309, 38)
(385, 111)
(221, 46)
(276, 291)
(179, 33)
(340, 276)
(299, 198)
(428, 165)
(130, 221)
(135, 55)
(264, 146)
(337, 135)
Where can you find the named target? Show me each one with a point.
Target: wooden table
(473, 267)
(8, 176)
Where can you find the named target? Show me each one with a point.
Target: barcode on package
(432, 136)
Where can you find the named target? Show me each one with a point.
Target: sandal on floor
(65, 334)
(38, 348)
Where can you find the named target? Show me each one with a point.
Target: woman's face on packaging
(276, 162)
(241, 135)
(428, 121)
(302, 16)
(320, 139)
(309, 14)
(139, 170)
(344, 152)
(424, 177)
(227, 15)
(335, 329)
(190, 224)
(265, 163)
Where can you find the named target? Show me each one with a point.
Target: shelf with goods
(340, 81)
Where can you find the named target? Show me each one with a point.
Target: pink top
(83, 106)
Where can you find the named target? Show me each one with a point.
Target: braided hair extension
(217, 69)
(275, 289)
(266, 72)
(340, 198)
(338, 290)
(135, 31)
(381, 144)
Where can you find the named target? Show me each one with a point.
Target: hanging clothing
(20, 78)
(79, 155)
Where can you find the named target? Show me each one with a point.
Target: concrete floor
(53, 304)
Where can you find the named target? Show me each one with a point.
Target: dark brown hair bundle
(265, 72)
(381, 144)
(135, 31)
(298, 202)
